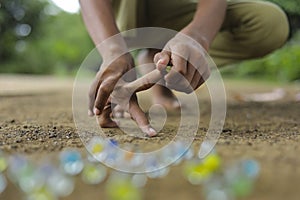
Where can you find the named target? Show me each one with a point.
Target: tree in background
(19, 22)
(37, 37)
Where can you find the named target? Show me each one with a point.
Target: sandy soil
(36, 119)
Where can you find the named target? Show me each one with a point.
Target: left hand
(190, 68)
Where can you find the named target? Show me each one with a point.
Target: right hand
(101, 89)
(190, 68)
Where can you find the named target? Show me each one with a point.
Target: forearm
(207, 21)
(100, 22)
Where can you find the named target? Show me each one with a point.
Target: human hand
(190, 69)
(103, 85)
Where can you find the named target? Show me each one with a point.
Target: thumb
(162, 59)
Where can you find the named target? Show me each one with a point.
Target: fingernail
(90, 113)
(96, 111)
(148, 130)
(159, 61)
(152, 132)
(160, 65)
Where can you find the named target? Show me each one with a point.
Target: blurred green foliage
(292, 9)
(282, 65)
(37, 37)
(17, 19)
(290, 6)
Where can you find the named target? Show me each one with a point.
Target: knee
(272, 28)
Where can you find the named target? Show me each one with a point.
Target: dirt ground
(36, 119)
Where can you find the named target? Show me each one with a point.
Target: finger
(104, 120)
(191, 70)
(202, 70)
(200, 63)
(179, 68)
(139, 116)
(179, 64)
(104, 91)
(206, 74)
(92, 95)
(191, 79)
(201, 81)
(145, 82)
(181, 85)
(162, 59)
(196, 80)
(203, 78)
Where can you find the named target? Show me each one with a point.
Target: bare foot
(165, 97)
(161, 94)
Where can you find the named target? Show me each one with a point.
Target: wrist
(112, 48)
(112, 51)
(199, 36)
(123, 61)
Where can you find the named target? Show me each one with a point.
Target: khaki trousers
(251, 28)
